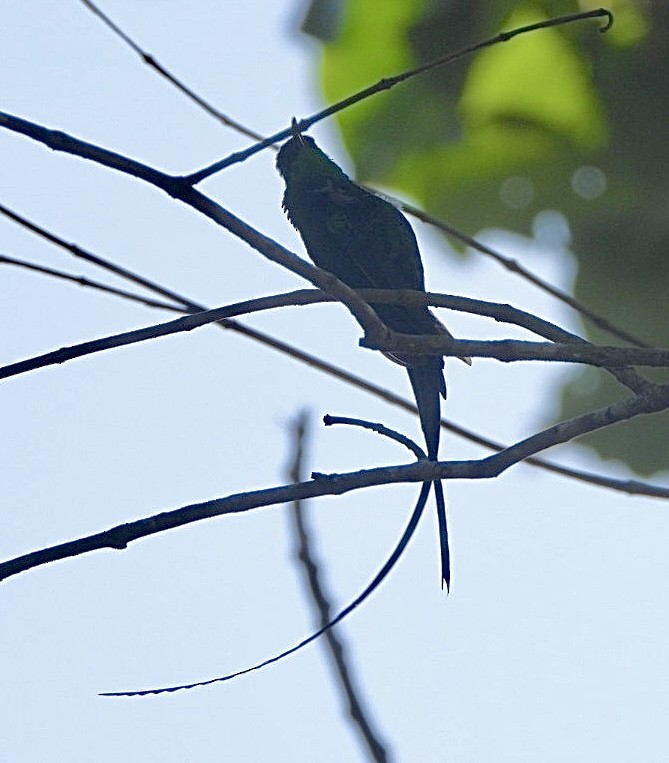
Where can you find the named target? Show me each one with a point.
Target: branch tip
(609, 20)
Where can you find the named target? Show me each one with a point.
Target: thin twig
(160, 69)
(87, 282)
(305, 553)
(96, 260)
(390, 82)
(381, 429)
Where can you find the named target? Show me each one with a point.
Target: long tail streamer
(376, 581)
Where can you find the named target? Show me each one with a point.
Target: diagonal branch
(86, 282)
(179, 188)
(160, 69)
(390, 82)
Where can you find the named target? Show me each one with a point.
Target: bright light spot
(588, 182)
(517, 192)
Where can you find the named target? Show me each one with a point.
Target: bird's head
(301, 162)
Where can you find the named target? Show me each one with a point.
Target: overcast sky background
(552, 644)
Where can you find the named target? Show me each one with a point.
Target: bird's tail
(427, 380)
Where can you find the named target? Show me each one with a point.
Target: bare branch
(509, 350)
(94, 259)
(387, 83)
(631, 487)
(306, 555)
(86, 282)
(653, 400)
(180, 189)
(381, 429)
(507, 262)
(160, 69)
(577, 351)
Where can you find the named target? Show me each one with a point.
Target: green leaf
(561, 118)
(508, 83)
(372, 44)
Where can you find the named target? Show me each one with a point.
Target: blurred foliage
(562, 118)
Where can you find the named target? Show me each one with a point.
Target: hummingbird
(367, 243)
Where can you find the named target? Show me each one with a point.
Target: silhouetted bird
(368, 244)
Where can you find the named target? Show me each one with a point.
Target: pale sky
(551, 645)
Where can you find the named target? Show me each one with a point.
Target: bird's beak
(295, 129)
